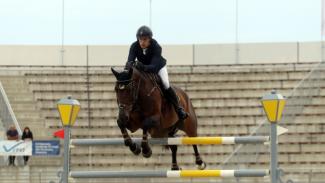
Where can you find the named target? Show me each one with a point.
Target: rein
(134, 90)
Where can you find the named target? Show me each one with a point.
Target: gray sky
(173, 21)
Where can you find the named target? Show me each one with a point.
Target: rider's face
(144, 42)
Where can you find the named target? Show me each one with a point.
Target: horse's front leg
(146, 150)
(148, 123)
(134, 147)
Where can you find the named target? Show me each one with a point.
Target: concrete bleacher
(226, 99)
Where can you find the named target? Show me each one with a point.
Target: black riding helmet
(144, 31)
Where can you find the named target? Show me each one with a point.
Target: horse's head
(126, 91)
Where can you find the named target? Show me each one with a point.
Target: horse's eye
(121, 87)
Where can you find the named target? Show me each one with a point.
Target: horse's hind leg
(191, 131)
(134, 147)
(173, 148)
(198, 161)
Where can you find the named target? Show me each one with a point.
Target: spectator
(12, 134)
(27, 135)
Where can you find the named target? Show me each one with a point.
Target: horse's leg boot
(172, 97)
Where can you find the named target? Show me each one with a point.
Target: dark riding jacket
(150, 57)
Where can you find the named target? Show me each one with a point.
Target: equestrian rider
(147, 51)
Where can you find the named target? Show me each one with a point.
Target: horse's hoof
(128, 142)
(147, 153)
(135, 148)
(201, 166)
(176, 167)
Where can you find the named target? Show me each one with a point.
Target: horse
(142, 105)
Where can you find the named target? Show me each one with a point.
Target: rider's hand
(128, 65)
(139, 65)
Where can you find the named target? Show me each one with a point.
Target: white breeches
(163, 74)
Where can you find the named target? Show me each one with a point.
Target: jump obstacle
(173, 173)
(266, 140)
(273, 172)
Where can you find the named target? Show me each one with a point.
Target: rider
(148, 53)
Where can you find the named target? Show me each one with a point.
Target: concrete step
(226, 102)
(33, 111)
(46, 161)
(20, 98)
(228, 121)
(253, 68)
(215, 94)
(15, 174)
(30, 106)
(269, 67)
(251, 76)
(206, 130)
(45, 174)
(205, 112)
(214, 158)
(67, 85)
(29, 118)
(284, 148)
(172, 73)
(12, 81)
(158, 160)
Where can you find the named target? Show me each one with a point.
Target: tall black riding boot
(172, 97)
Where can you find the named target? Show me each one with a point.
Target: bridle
(134, 90)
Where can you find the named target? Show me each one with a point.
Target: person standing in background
(27, 135)
(12, 134)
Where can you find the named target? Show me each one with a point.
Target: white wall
(215, 54)
(209, 54)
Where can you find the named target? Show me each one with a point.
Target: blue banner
(46, 148)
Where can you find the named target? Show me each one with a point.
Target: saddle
(157, 83)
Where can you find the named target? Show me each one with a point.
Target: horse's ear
(114, 72)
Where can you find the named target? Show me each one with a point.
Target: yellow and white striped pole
(170, 174)
(177, 141)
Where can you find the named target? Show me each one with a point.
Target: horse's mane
(141, 74)
(152, 77)
(146, 75)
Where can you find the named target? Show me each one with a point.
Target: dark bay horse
(142, 106)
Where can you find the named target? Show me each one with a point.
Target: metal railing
(7, 118)
(7, 115)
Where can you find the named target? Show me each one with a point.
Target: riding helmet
(144, 31)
